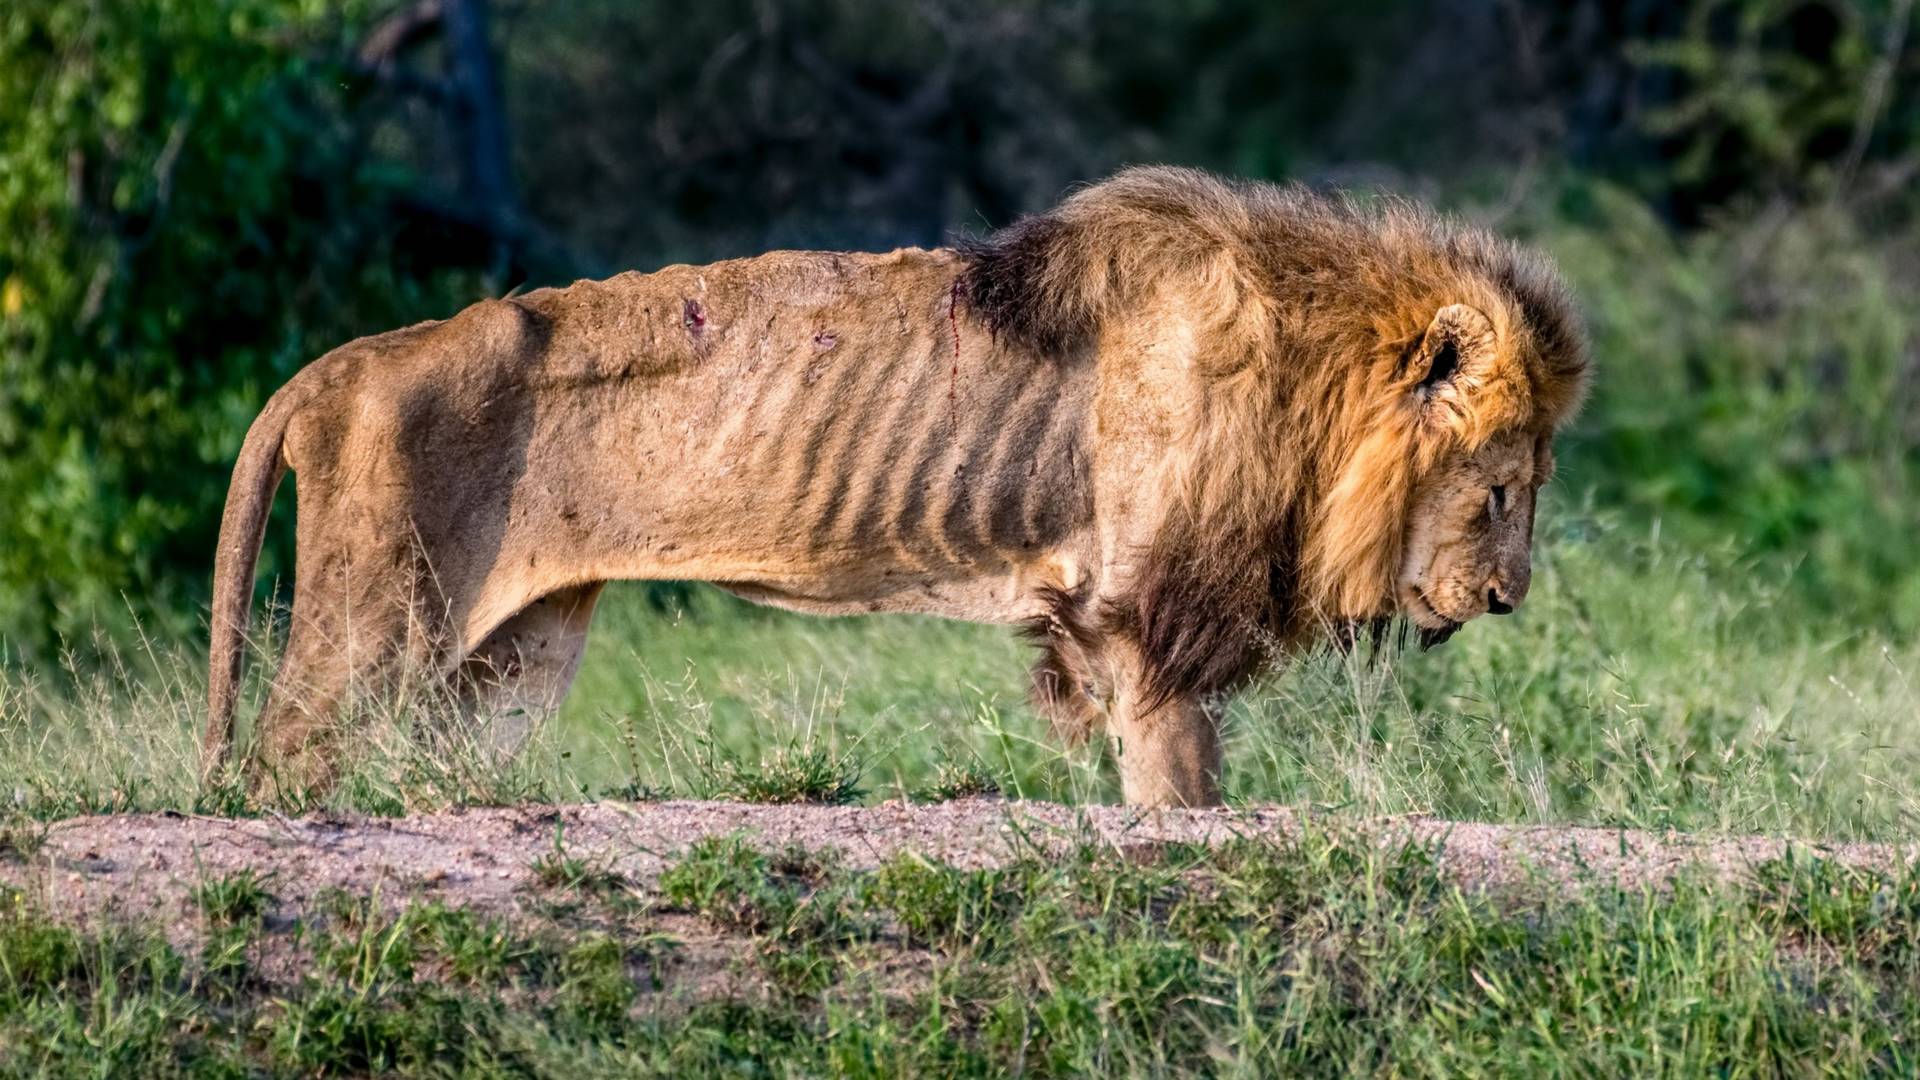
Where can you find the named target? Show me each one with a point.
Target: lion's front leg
(1168, 751)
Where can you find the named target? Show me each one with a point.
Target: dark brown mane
(1004, 272)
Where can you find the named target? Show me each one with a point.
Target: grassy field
(1641, 685)
(1320, 956)
(1644, 684)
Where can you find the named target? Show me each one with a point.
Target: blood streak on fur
(693, 317)
(953, 320)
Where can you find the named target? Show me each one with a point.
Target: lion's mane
(1290, 488)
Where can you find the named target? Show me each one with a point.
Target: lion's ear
(1458, 337)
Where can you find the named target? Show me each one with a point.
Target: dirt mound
(144, 866)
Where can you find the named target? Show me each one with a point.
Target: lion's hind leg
(352, 648)
(518, 675)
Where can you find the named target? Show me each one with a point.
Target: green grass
(1643, 684)
(1322, 956)
(560, 870)
(233, 899)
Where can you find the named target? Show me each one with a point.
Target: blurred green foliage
(185, 219)
(1778, 97)
(199, 196)
(1760, 382)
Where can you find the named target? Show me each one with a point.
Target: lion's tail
(1048, 281)
(256, 476)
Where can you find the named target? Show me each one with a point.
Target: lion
(1175, 428)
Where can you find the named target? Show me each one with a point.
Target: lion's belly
(1014, 597)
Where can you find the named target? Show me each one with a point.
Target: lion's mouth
(1431, 637)
(1434, 627)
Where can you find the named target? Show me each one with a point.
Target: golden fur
(1315, 321)
(1167, 426)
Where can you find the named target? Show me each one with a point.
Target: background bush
(187, 215)
(199, 196)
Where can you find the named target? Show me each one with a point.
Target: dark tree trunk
(487, 172)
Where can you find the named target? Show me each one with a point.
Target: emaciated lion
(1174, 427)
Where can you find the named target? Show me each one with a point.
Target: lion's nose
(1496, 603)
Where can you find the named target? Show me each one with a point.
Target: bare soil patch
(144, 866)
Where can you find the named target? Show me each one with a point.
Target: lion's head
(1469, 535)
(1466, 544)
(1444, 440)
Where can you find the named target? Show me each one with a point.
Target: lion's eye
(1497, 501)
